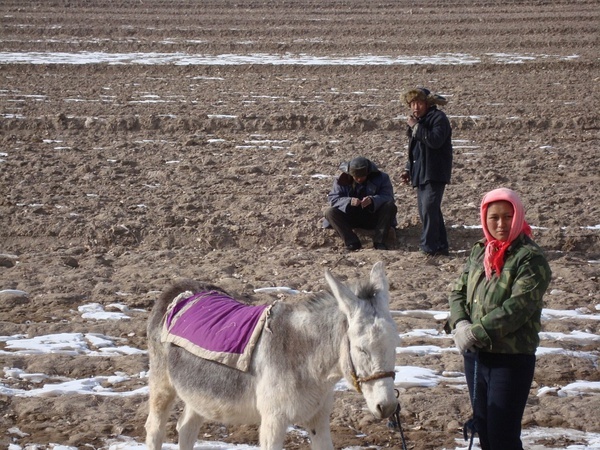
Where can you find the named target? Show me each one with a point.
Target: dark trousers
(434, 238)
(500, 384)
(356, 217)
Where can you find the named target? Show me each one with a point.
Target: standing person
(495, 308)
(429, 165)
(361, 197)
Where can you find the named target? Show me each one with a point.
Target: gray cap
(359, 167)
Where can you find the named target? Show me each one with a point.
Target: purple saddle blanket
(215, 326)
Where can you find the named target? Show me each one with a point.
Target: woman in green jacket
(495, 309)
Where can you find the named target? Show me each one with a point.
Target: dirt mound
(147, 141)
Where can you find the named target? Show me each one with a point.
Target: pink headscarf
(495, 249)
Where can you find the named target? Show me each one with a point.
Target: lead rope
(470, 424)
(394, 422)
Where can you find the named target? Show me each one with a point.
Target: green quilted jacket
(505, 311)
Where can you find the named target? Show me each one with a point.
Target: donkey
(304, 349)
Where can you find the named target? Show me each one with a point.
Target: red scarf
(495, 250)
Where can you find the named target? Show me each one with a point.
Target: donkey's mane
(365, 290)
(316, 302)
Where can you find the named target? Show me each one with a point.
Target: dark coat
(378, 186)
(430, 149)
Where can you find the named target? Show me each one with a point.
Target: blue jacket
(430, 149)
(378, 186)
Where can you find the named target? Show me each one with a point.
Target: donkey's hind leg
(161, 398)
(188, 427)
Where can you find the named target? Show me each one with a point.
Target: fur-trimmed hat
(425, 95)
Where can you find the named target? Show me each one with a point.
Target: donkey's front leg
(318, 426)
(272, 432)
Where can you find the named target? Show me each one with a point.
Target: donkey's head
(369, 353)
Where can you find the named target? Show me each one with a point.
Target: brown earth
(117, 179)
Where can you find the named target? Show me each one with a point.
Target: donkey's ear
(380, 282)
(346, 299)
(378, 277)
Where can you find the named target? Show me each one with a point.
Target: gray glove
(464, 339)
